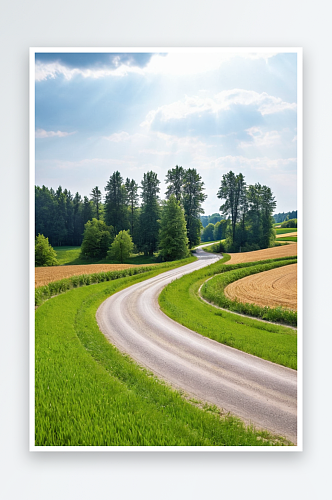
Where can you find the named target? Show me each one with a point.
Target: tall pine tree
(150, 213)
(193, 197)
(132, 201)
(96, 200)
(116, 213)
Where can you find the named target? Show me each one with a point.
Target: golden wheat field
(277, 287)
(268, 253)
(45, 275)
(286, 235)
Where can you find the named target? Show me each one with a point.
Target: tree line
(248, 209)
(281, 217)
(210, 219)
(169, 226)
(214, 232)
(62, 217)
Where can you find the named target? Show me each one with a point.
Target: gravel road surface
(258, 391)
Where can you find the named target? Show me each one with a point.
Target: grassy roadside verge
(213, 291)
(88, 394)
(45, 292)
(214, 248)
(180, 301)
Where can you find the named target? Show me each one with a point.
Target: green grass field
(288, 238)
(71, 256)
(181, 302)
(284, 230)
(88, 394)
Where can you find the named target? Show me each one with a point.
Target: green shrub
(96, 239)
(289, 223)
(121, 247)
(44, 253)
(215, 248)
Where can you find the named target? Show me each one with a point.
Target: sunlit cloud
(118, 137)
(124, 137)
(196, 105)
(261, 139)
(41, 134)
(174, 63)
(211, 110)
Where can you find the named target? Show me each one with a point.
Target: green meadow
(181, 301)
(89, 394)
(71, 256)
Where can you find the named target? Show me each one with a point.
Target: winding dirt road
(258, 391)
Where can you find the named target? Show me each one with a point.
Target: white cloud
(187, 63)
(265, 103)
(118, 137)
(258, 163)
(124, 136)
(43, 71)
(92, 163)
(173, 63)
(261, 139)
(154, 152)
(41, 134)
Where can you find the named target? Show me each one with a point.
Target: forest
(63, 217)
(244, 223)
(281, 217)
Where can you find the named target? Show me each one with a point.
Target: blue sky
(215, 111)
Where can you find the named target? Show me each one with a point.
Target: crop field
(89, 394)
(274, 288)
(281, 235)
(46, 275)
(268, 253)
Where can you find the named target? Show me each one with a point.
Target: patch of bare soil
(45, 275)
(274, 288)
(267, 253)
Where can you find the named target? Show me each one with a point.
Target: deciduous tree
(121, 247)
(207, 233)
(219, 232)
(232, 191)
(45, 255)
(173, 242)
(96, 239)
(174, 179)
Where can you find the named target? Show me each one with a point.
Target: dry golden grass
(267, 253)
(45, 275)
(274, 288)
(287, 234)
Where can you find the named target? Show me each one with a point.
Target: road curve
(258, 391)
